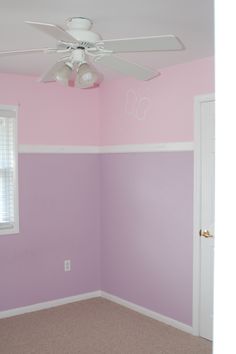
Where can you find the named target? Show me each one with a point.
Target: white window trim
(15, 229)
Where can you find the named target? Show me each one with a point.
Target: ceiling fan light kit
(81, 46)
(86, 77)
(63, 74)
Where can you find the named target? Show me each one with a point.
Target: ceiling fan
(81, 46)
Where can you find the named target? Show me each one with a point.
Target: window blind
(7, 169)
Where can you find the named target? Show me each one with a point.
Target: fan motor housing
(79, 28)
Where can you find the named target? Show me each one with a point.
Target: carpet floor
(95, 326)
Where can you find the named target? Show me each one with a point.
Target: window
(9, 220)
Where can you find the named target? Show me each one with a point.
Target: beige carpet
(95, 326)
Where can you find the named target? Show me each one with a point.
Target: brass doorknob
(205, 233)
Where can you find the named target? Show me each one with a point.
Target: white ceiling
(191, 20)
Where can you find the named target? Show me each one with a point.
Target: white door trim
(198, 100)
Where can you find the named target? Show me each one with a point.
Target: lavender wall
(147, 221)
(144, 241)
(59, 219)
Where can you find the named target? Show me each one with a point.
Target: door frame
(198, 100)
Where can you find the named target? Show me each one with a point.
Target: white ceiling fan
(81, 46)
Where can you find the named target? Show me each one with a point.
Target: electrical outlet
(67, 265)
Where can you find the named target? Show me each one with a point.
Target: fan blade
(126, 68)
(28, 51)
(142, 44)
(53, 30)
(49, 75)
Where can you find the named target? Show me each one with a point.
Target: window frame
(15, 229)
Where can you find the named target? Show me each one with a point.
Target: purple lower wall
(139, 231)
(147, 226)
(59, 219)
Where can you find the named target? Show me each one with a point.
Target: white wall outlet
(67, 265)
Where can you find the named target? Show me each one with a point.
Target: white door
(206, 232)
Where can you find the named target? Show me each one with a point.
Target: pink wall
(160, 110)
(145, 257)
(123, 111)
(52, 114)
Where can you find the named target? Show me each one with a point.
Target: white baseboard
(49, 304)
(91, 295)
(146, 312)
